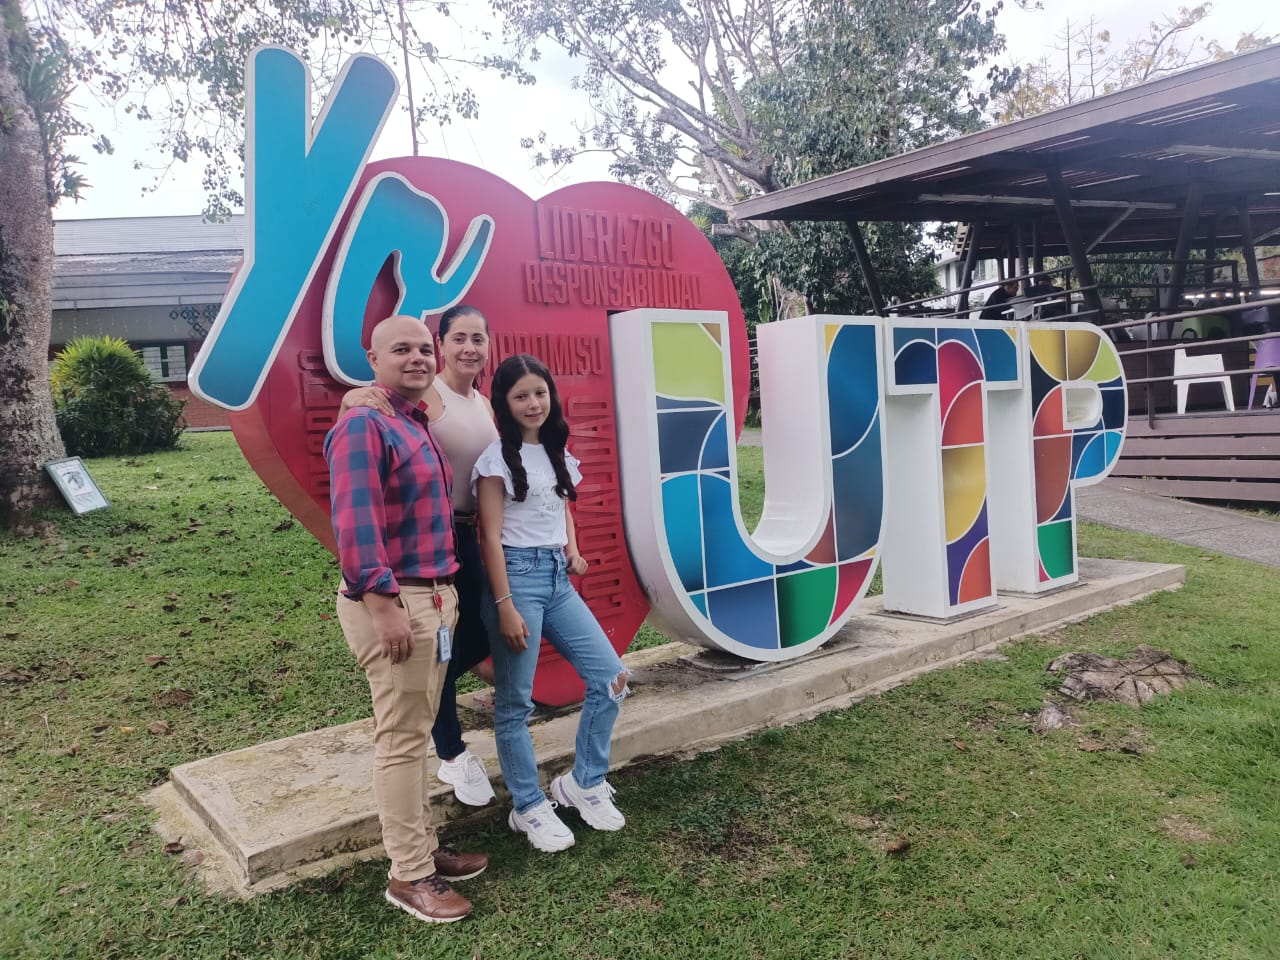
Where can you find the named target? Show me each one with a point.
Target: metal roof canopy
(1205, 142)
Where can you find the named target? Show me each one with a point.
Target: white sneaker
(595, 806)
(545, 830)
(468, 777)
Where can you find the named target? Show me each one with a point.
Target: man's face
(402, 354)
(1011, 287)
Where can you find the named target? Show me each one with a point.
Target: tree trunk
(28, 431)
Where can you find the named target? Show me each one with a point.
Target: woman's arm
(490, 495)
(576, 563)
(374, 397)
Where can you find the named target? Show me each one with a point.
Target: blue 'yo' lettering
(298, 178)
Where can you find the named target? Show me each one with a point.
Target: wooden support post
(1247, 246)
(974, 237)
(868, 271)
(1186, 235)
(1075, 243)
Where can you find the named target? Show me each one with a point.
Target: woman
(524, 482)
(462, 425)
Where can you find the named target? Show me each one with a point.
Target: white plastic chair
(1205, 363)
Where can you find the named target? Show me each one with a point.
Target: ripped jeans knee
(618, 689)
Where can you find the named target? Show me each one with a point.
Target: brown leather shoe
(429, 899)
(453, 865)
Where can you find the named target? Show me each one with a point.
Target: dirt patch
(625, 897)
(1185, 829)
(738, 841)
(1136, 680)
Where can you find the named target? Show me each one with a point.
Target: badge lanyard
(444, 636)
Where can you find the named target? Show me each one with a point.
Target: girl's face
(465, 348)
(529, 400)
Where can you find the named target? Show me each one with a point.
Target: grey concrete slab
(1231, 532)
(272, 813)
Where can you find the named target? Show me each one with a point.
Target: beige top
(463, 431)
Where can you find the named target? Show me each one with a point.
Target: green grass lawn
(193, 617)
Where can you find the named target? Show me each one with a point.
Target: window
(167, 363)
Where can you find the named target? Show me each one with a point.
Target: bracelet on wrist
(502, 598)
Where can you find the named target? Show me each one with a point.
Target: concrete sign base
(272, 814)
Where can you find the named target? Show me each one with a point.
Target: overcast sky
(507, 112)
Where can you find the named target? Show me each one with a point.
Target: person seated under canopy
(998, 302)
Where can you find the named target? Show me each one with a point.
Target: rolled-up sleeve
(357, 478)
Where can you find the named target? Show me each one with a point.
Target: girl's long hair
(452, 314)
(553, 434)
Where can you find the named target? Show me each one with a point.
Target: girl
(461, 422)
(524, 482)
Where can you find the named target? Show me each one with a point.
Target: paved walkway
(1233, 532)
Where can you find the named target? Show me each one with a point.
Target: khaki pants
(405, 698)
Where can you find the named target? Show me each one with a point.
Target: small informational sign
(72, 478)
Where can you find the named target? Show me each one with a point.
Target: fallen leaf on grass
(961, 745)
(193, 859)
(174, 846)
(176, 902)
(897, 846)
(71, 583)
(71, 751)
(324, 616)
(159, 728)
(155, 659)
(1090, 746)
(127, 729)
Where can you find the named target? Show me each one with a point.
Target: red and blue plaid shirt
(389, 491)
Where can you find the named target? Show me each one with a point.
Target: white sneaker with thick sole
(544, 829)
(595, 806)
(467, 775)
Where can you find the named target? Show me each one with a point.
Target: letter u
(785, 589)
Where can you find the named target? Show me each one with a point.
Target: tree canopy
(182, 64)
(714, 101)
(1086, 60)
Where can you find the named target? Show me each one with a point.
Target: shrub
(106, 402)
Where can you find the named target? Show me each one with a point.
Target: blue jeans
(470, 641)
(551, 607)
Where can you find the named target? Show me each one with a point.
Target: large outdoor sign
(949, 452)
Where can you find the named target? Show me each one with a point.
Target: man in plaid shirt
(389, 490)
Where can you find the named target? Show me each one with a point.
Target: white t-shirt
(538, 520)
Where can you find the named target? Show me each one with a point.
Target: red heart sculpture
(556, 269)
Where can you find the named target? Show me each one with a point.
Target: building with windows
(155, 282)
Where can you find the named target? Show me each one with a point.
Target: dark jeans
(470, 641)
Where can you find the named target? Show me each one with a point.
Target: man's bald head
(386, 329)
(402, 354)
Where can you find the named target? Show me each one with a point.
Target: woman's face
(465, 347)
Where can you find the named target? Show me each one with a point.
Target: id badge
(444, 643)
